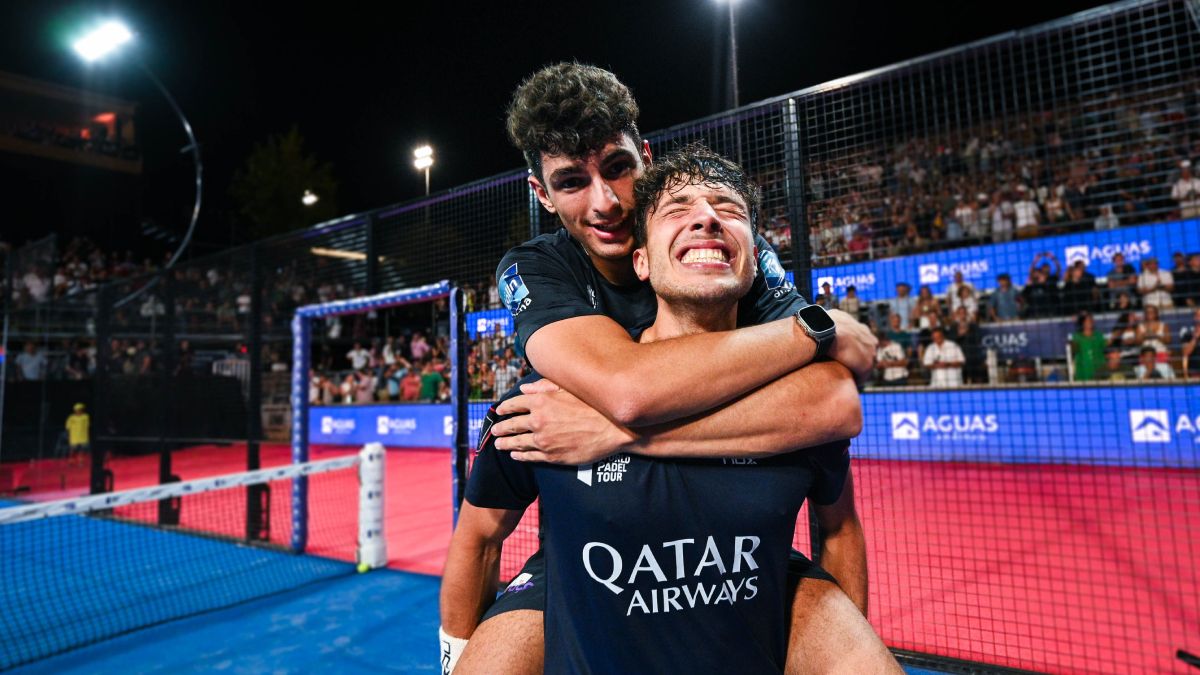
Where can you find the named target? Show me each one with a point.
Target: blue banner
(876, 280)
(397, 425)
(1143, 426)
(489, 322)
(1048, 338)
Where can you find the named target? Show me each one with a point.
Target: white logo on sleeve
(906, 426)
(1150, 426)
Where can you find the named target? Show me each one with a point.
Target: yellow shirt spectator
(77, 429)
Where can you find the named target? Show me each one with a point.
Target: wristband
(451, 649)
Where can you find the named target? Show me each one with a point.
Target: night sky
(366, 86)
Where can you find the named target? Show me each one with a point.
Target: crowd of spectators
(1128, 160)
(925, 338)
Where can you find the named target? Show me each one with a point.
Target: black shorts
(528, 589)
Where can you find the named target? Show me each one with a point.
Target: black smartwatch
(819, 326)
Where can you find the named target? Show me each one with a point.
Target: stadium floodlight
(102, 41)
(423, 159)
(309, 198)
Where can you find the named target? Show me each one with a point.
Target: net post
(300, 363)
(372, 544)
(458, 400)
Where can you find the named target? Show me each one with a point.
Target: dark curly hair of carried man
(569, 109)
(693, 164)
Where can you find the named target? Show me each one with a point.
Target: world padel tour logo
(611, 470)
(1150, 426)
(906, 426)
(513, 292)
(772, 270)
(912, 426)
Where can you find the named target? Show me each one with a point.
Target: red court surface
(1064, 569)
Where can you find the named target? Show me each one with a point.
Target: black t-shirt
(662, 566)
(550, 278)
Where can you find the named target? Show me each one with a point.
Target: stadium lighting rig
(423, 159)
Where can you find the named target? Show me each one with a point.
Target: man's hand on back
(855, 345)
(552, 425)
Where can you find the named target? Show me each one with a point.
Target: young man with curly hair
(575, 296)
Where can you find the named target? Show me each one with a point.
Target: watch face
(817, 319)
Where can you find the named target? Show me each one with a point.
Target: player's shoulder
(556, 245)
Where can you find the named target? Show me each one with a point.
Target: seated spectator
(31, 363)
(892, 360)
(1006, 301)
(1189, 336)
(1121, 280)
(1155, 285)
(1114, 367)
(505, 373)
(1107, 220)
(364, 385)
(1148, 367)
(966, 300)
(1088, 348)
(1058, 212)
(952, 289)
(945, 360)
(903, 305)
(851, 304)
(1186, 192)
(1079, 291)
(1187, 283)
(1002, 216)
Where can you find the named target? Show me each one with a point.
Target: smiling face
(699, 245)
(593, 196)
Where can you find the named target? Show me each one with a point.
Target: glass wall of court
(1034, 507)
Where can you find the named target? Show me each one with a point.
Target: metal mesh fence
(1006, 215)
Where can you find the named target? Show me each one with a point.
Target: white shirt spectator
(38, 287)
(359, 358)
(1151, 284)
(1186, 191)
(1027, 214)
(1161, 371)
(952, 293)
(969, 219)
(506, 376)
(947, 352)
(892, 351)
(1002, 221)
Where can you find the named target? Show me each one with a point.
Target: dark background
(366, 85)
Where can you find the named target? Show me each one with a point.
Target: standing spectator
(966, 335)
(1154, 332)
(78, 435)
(945, 360)
(1121, 280)
(1148, 367)
(1186, 191)
(1155, 285)
(1088, 349)
(1040, 295)
(31, 363)
(1027, 214)
(1189, 336)
(898, 334)
(1006, 302)
(1187, 283)
(1079, 292)
(892, 359)
(952, 291)
(505, 374)
(1124, 335)
(418, 347)
(410, 386)
(903, 305)
(78, 364)
(359, 358)
(431, 380)
(967, 215)
(1002, 217)
(966, 300)
(364, 385)
(851, 304)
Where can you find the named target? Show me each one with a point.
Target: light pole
(423, 159)
(106, 39)
(733, 64)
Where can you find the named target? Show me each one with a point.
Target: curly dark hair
(693, 164)
(569, 109)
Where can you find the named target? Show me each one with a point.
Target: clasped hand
(550, 424)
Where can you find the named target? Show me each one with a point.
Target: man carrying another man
(574, 295)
